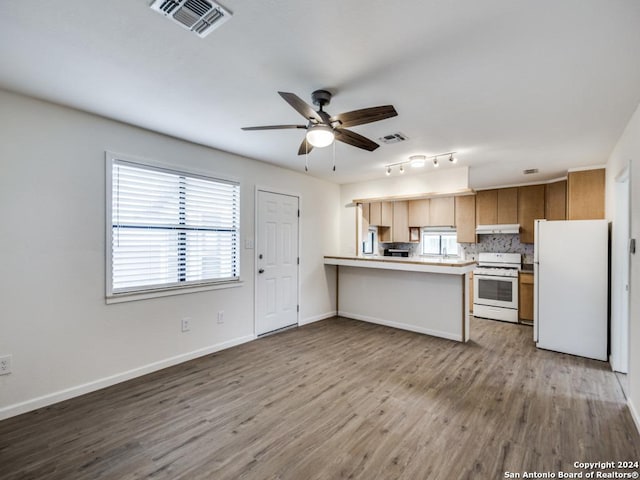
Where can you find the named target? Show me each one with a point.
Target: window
(370, 242)
(170, 229)
(442, 243)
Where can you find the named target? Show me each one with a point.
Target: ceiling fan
(322, 129)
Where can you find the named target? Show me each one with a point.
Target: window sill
(166, 292)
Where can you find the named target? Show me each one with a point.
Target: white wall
(441, 181)
(53, 318)
(628, 149)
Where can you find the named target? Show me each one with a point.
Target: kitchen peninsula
(421, 295)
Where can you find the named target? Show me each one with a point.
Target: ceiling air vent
(199, 16)
(393, 138)
(529, 171)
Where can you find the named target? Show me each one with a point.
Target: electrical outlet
(186, 324)
(221, 316)
(5, 365)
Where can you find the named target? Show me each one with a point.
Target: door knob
(261, 270)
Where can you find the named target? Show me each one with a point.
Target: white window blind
(171, 229)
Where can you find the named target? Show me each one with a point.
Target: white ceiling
(509, 84)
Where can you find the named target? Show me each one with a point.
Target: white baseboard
(401, 326)
(634, 414)
(317, 318)
(55, 397)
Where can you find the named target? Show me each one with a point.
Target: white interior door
(277, 262)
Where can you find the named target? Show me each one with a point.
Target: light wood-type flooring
(337, 399)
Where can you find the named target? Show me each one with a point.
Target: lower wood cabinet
(525, 295)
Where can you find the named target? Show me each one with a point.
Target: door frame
(619, 360)
(256, 219)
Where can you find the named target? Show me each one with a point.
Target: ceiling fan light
(320, 136)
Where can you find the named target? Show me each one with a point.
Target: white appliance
(495, 286)
(571, 264)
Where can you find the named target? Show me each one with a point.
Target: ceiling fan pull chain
(306, 156)
(334, 156)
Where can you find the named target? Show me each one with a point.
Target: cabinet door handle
(261, 270)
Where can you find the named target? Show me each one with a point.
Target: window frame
(372, 233)
(439, 233)
(140, 293)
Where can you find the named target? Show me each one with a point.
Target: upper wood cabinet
(530, 208)
(487, 207)
(585, 195)
(380, 214)
(465, 207)
(419, 212)
(555, 200)
(375, 213)
(387, 214)
(366, 212)
(400, 229)
(499, 206)
(507, 206)
(442, 212)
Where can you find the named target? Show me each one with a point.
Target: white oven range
(495, 286)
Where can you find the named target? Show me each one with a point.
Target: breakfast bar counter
(421, 295)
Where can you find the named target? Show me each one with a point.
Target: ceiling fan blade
(302, 107)
(355, 139)
(305, 147)
(366, 115)
(274, 127)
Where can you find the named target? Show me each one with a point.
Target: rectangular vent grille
(394, 138)
(199, 16)
(529, 171)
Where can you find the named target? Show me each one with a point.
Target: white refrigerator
(571, 265)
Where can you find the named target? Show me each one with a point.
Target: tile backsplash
(503, 243)
(498, 244)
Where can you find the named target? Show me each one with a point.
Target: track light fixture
(418, 161)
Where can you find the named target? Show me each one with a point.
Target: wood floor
(337, 399)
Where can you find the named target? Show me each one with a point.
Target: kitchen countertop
(449, 266)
